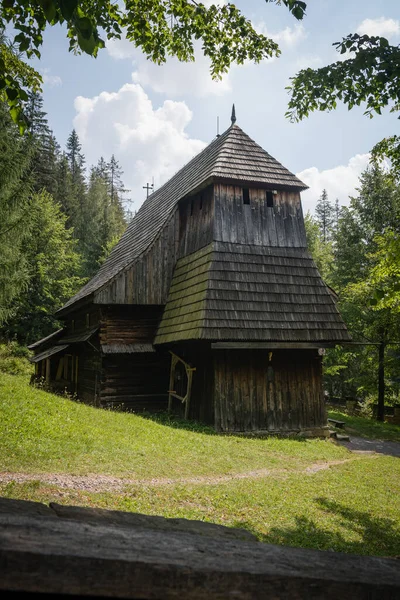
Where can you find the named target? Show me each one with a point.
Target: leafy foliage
(160, 28)
(370, 75)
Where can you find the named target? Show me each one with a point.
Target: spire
(233, 115)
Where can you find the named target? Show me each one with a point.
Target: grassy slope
(351, 507)
(40, 432)
(367, 427)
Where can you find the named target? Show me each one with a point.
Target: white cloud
(51, 80)
(289, 37)
(121, 49)
(147, 141)
(340, 182)
(382, 27)
(174, 78)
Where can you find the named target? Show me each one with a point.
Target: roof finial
(233, 116)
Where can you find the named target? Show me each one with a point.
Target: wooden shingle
(236, 292)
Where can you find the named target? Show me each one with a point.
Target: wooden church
(210, 304)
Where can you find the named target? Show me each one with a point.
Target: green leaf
(67, 8)
(15, 113)
(12, 93)
(87, 45)
(49, 10)
(85, 28)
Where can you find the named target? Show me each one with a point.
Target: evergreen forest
(59, 220)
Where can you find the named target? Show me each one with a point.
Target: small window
(201, 202)
(87, 320)
(191, 208)
(72, 325)
(246, 196)
(270, 199)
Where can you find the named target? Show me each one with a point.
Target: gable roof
(233, 155)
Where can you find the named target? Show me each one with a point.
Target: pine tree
(324, 213)
(75, 156)
(46, 151)
(65, 193)
(76, 162)
(53, 265)
(117, 188)
(104, 215)
(15, 193)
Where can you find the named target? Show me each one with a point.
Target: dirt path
(358, 444)
(106, 483)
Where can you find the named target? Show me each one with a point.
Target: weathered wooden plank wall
(196, 217)
(148, 280)
(253, 393)
(256, 223)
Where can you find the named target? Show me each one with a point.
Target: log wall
(139, 382)
(253, 393)
(129, 324)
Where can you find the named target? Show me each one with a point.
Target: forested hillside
(59, 220)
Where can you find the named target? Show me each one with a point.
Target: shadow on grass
(375, 535)
(170, 420)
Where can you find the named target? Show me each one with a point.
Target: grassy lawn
(352, 506)
(367, 427)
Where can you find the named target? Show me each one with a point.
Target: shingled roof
(239, 292)
(233, 156)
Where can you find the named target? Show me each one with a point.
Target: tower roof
(232, 156)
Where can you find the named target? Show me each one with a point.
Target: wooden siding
(255, 223)
(196, 221)
(255, 394)
(147, 281)
(229, 291)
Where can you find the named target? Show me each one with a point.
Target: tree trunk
(381, 382)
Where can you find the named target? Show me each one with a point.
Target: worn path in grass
(104, 483)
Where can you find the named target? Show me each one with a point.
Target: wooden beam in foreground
(80, 555)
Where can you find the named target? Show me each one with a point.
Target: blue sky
(154, 119)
